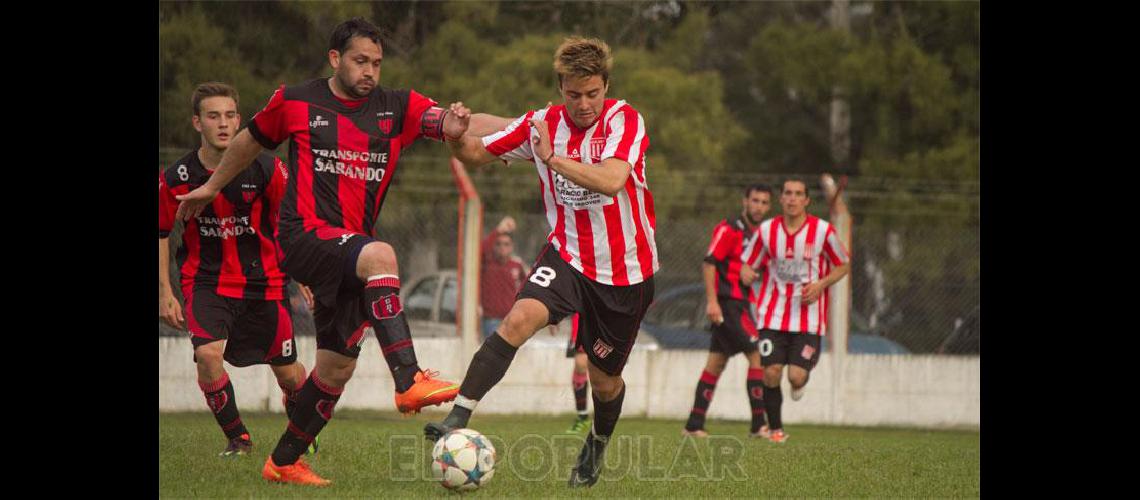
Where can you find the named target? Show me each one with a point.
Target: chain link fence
(915, 275)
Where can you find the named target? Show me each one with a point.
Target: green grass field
(372, 454)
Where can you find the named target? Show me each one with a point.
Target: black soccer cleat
(457, 419)
(238, 446)
(433, 432)
(589, 467)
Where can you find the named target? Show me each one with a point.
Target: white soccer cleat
(798, 393)
(763, 433)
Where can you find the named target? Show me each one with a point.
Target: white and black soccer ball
(463, 460)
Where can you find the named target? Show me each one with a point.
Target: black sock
(391, 326)
(706, 386)
(221, 400)
(755, 385)
(606, 414)
(773, 399)
(581, 384)
(487, 368)
(315, 404)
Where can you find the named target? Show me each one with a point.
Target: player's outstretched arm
(609, 179)
(238, 157)
(483, 124)
(465, 146)
(469, 150)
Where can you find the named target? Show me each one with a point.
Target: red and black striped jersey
(342, 155)
(230, 247)
(728, 241)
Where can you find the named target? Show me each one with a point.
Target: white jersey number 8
(542, 276)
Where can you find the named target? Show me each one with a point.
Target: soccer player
(346, 134)
(800, 256)
(730, 305)
(600, 257)
(502, 275)
(579, 379)
(230, 277)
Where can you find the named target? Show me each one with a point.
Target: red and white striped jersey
(609, 239)
(786, 263)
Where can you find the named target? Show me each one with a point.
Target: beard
(352, 89)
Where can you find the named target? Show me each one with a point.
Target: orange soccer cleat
(298, 473)
(426, 391)
(778, 436)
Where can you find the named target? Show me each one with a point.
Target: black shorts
(789, 348)
(610, 315)
(325, 261)
(738, 331)
(257, 331)
(572, 347)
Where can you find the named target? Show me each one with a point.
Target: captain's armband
(431, 123)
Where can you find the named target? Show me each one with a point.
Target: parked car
(967, 335)
(677, 320)
(430, 304)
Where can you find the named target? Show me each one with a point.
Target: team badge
(385, 125)
(248, 196)
(807, 352)
(325, 408)
(386, 307)
(597, 145)
(218, 401)
(602, 349)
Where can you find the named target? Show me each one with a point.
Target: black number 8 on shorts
(542, 276)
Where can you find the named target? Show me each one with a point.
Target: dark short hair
(763, 188)
(211, 89)
(807, 190)
(344, 32)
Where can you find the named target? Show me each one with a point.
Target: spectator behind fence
(501, 277)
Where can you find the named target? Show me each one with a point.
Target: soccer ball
(463, 460)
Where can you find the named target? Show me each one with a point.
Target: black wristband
(547, 160)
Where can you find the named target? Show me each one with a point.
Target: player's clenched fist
(542, 147)
(454, 129)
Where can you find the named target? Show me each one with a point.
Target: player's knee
(753, 359)
(376, 258)
(715, 367)
(290, 375)
(797, 378)
(336, 375)
(772, 375)
(607, 387)
(209, 356)
(520, 324)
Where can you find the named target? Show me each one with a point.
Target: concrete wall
(923, 391)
